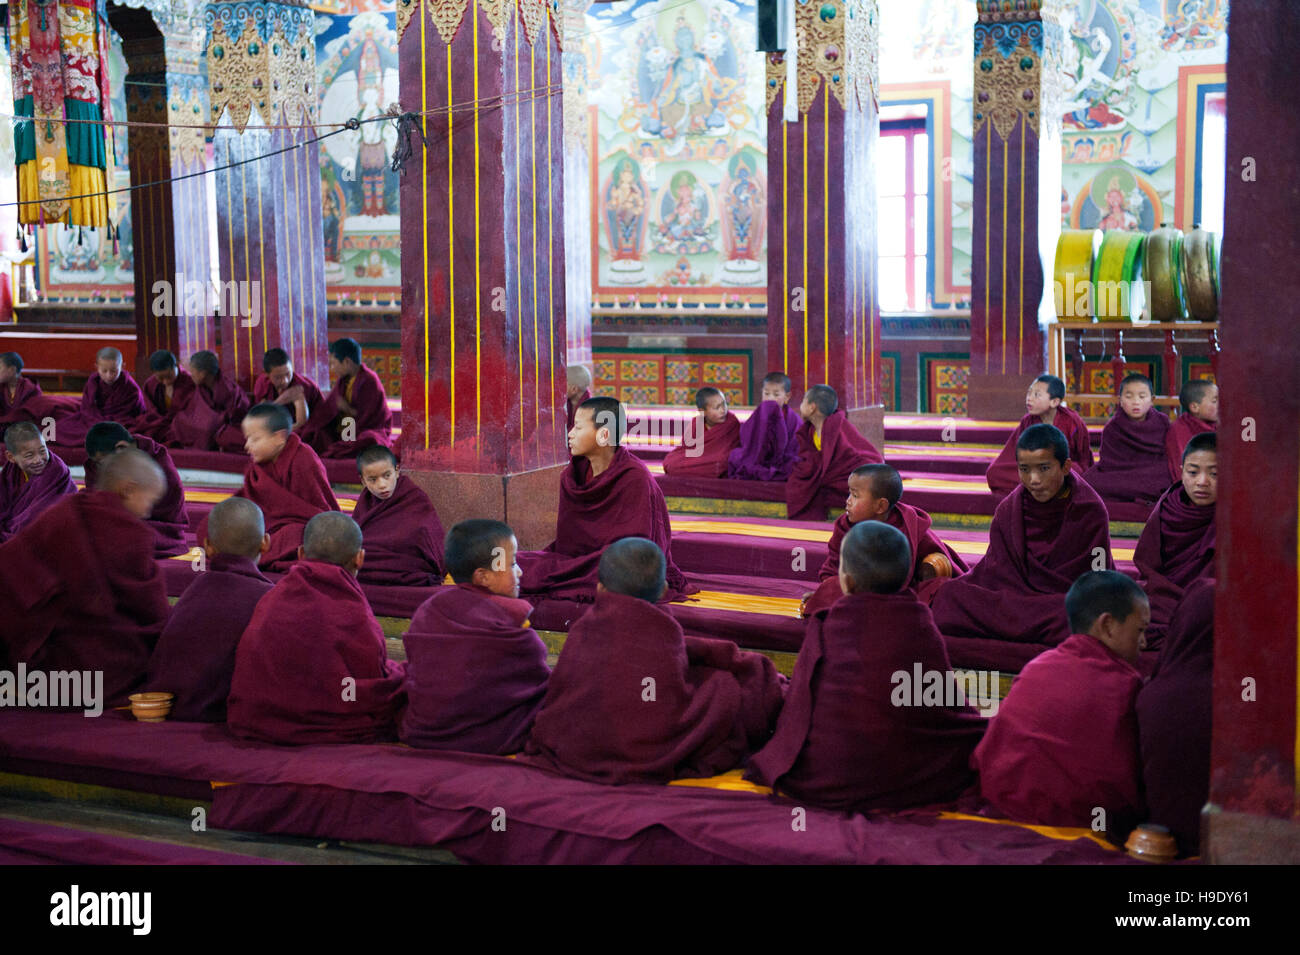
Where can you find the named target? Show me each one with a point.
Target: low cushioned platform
(35, 843)
(338, 470)
(403, 796)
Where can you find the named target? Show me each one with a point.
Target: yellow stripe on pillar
(451, 258)
(424, 219)
(478, 274)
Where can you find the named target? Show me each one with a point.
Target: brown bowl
(151, 707)
(1152, 843)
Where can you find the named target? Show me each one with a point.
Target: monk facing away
(476, 672)
(1177, 545)
(1132, 468)
(195, 656)
(285, 479)
(209, 419)
(281, 385)
(1045, 533)
(79, 586)
(709, 439)
(169, 519)
(632, 700)
(606, 493)
(32, 480)
(1063, 748)
(402, 532)
(1043, 404)
(1200, 401)
(768, 449)
(874, 495)
(847, 737)
(830, 448)
(577, 390)
(167, 389)
(111, 394)
(21, 399)
(355, 414)
(312, 667)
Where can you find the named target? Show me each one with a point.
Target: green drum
(1118, 294)
(1164, 272)
(1201, 275)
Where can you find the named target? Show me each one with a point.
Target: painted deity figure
(625, 201)
(743, 212)
(683, 91)
(683, 226)
(1117, 214)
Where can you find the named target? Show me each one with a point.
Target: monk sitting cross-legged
(848, 738)
(1063, 748)
(577, 390)
(31, 481)
(281, 385)
(475, 671)
(402, 531)
(830, 448)
(195, 657)
(1043, 404)
(168, 389)
(285, 479)
(209, 419)
(111, 394)
(169, 519)
(355, 414)
(1132, 468)
(1200, 413)
(633, 700)
(606, 493)
(79, 586)
(312, 667)
(768, 449)
(1048, 531)
(709, 439)
(874, 492)
(21, 399)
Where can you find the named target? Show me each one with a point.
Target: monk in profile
(1200, 400)
(21, 399)
(327, 682)
(402, 531)
(111, 394)
(710, 437)
(830, 448)
(209, 420)
(169, 520)
(1044, 405)
(32, 479)
(768, 449)
(355, 414)
(279, 384)
(577, 390)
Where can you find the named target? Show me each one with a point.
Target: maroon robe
(768, 449)
(571, 409)
(290, 490)
(1174, 718)
(623, 501)
(264, 390)
(24, 499)
(820, 479)
(710, 457)
(209, 418)
(330, 682)
(1185, 427)
(1003, 474)
(1036, 552)
(80, 590)
(373, 419)
(169, 519)
(1132, 467)
(475, 673)
(712, 703)
(29, 403)
(122, 401)
(195, 656)
(403, 537)
(156, 422)
(1175, 549)
(841, 742)
(915, 525)
(1065, 741)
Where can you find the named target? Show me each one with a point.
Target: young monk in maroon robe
(21, 399)
(1043, 404)
(633, 700)
(874, 495)
(195, 656)
(312, 667)
(79, 586)
(1200, 401)
(1046, 533)
(1064, 743)
(285, 479)
(1132, 467)
(170, 521)
(32, 479)
(577, 390)
(768, 449)
(402, 531)
(355, 414)
(1174, 718)
(705, 455)
(605, 494)
(1177, 545)
(475, 671)
(110, 395)
(281, 385)
(830, 449)
(847, 737)
(209, 420)
(168, 389)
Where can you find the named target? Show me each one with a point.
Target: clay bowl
(1151, 843)
(151, 707)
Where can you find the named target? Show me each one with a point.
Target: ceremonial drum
(1201, 275)
(1117, 291)
(1164, 270)
(1076, 251)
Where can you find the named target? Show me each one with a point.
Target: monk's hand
(803, 604)
(345, 406)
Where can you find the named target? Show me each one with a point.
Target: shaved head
(633, 566)
(876, 557)
(129, 467)
(108, 354)
(331, 537)
(236, 527)
(19, 433)
(578, 376)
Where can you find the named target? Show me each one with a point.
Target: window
(903, 206)
(1210, 159)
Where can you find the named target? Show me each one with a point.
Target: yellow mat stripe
(346, 504)
(732, 781)
(1052, 832)
(746, 603)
